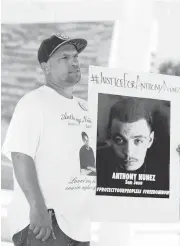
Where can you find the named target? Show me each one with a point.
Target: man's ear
(151, 139)
(45, 67)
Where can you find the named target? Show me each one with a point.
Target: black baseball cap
(50, 45)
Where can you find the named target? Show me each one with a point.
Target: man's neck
(65, 92)
(87, 147)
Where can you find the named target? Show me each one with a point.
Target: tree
(170, 68)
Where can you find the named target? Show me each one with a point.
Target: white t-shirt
(48, 127)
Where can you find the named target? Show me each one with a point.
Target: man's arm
(80, 158)
(25, 172)
(92, 167)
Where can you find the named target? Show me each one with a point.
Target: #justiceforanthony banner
(136, 133)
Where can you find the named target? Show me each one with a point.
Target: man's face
(86, 141)
(130, 142)
(64, 66)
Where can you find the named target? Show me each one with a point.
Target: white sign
(136, 132)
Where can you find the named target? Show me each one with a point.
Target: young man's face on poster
(86, 141)
(130, 142)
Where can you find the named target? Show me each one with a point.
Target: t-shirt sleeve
(24, 131)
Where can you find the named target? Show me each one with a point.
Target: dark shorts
(27, 238)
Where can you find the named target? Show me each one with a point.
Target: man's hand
(93, 169)
(40, 222)
(85, 172)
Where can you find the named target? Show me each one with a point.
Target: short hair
(129, 110)
(84, 134)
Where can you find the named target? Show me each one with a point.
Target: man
(86, 156)
(48, 206)
(131, 136)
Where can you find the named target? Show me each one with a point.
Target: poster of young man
(137, 156)
(136, 136)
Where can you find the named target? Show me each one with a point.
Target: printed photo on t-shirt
(86, 157)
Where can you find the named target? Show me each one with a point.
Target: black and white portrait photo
(80, 150)
(135, 148)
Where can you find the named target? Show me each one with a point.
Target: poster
(137, 159)
(136, 133)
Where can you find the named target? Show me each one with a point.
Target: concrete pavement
(6, 244)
